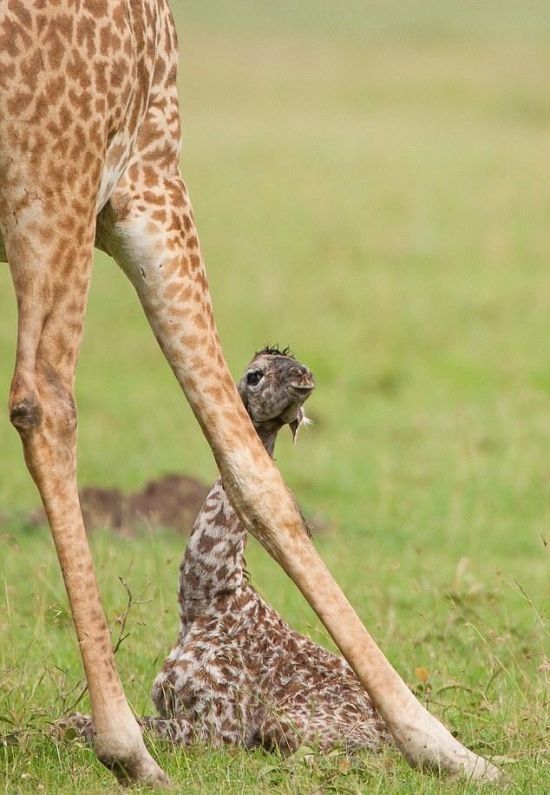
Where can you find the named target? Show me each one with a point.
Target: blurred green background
(371, 183)
(371, 187)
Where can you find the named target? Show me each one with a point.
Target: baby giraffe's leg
(177, 731)
(51, 273)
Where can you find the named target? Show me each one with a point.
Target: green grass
(372, 186)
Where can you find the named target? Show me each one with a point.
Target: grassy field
(372, 187)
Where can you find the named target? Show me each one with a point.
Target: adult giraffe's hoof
(427, 745)
(137, 772)
(481, 771)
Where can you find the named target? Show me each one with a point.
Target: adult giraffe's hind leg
(148, 227)
(51, 275)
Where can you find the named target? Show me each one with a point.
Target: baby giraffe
(238, 673)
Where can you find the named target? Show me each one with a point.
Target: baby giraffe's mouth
(302, 390)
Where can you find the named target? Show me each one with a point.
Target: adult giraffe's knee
(25, 414)
(25, 406)
(46, 406)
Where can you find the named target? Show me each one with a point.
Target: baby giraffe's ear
(300, 420)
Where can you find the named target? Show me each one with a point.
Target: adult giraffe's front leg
(151, 232)
(51, 272)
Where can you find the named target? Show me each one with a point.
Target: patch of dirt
(172, 501)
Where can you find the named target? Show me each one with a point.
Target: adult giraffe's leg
(151, 233)
(51, 274)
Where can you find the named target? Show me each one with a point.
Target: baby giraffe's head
(273, 389)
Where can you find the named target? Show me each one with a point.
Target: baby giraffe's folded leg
(74, 725)
(178, 730)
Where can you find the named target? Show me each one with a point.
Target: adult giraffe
(89, 151)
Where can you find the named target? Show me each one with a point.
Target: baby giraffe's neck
(213, 563)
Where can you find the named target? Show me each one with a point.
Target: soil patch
(172, 501)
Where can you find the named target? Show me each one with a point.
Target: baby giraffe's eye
(254, 377)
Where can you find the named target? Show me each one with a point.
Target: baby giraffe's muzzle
(303, 383)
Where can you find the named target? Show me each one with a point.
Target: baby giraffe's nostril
(299, 372)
